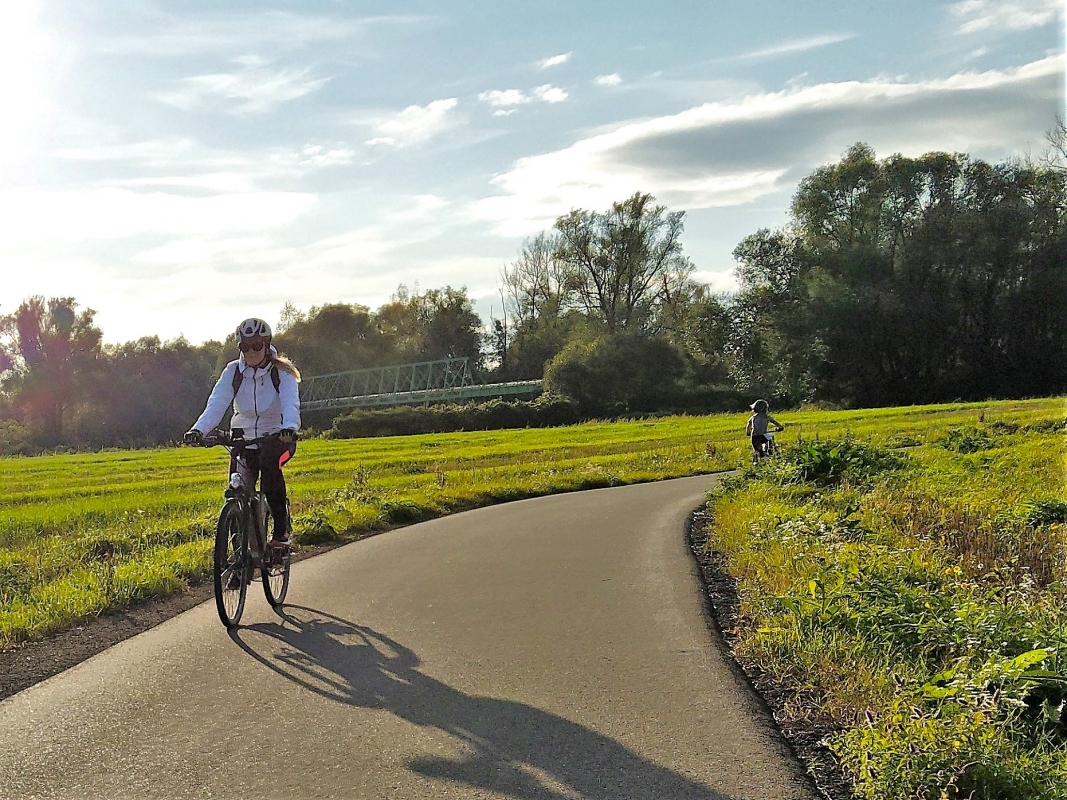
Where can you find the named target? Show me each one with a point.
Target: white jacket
(258, 408)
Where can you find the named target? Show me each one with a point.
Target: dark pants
(758, 441)
(266, 465)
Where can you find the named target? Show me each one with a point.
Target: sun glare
(24, 86)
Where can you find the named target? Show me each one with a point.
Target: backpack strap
(238, 378)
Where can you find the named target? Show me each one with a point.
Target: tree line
(895, 280)
(61, 386)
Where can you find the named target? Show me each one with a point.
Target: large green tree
(431, 325)
(624, 263)
(333, 338)
(908, 280)
(50, 352)
(412, 326)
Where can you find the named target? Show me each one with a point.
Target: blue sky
(179, 166)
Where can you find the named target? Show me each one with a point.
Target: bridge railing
(425, 381)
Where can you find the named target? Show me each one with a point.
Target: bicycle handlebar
(223, 438)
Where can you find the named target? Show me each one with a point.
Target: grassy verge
(905, 581)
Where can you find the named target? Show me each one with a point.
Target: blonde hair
(285, 365)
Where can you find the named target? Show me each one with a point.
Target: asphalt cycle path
(548, 649)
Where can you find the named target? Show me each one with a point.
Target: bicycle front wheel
(232, 567)
(275, 570)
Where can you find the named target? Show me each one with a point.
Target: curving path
(548, 649)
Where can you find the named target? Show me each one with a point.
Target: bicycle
(767, 450)
(241, 540)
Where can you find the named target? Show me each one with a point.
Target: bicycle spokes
(231, 565)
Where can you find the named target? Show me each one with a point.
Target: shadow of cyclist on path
(515, 747)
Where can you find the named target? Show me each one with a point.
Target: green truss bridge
(447, 380)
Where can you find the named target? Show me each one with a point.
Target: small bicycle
(241, 539)
(766, 450)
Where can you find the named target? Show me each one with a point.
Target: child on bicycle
(263, 387)
(758, 424)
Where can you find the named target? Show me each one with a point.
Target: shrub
(545, 411)
(1048, 511)
(967, 439)
(829, 462)
(15, 438)
(618, 374)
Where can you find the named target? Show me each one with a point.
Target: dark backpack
(238, 379)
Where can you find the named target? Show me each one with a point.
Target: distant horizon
(180, 170)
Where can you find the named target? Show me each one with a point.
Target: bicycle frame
(253, 510)
(251, 501)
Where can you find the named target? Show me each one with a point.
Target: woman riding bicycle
(757, 426)
(266, 402)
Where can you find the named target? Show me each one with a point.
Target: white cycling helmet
(252, 328)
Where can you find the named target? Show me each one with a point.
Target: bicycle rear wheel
(275, 569)
(232, 567)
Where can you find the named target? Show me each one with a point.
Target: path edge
(722, 612)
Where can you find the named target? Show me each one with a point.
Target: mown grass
(83, 534)
(906, 580)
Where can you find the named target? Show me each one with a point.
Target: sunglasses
(253, 347)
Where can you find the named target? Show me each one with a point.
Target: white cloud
(614, 79)
(252, 60)
(361, 265)
(200, 285)
(975, 16)
(170, 35)
(319, 156)
(554, 61)
(348, 252)
(508, 98)
(718, 280)
(153, 150)
(429, 202)
(424, 207)
(794, 46)
(730, 153)
(256, 88)
(541, 188)
(550, 94)
(362, 247)
(33, 216)
(184, 163)
(214, 182)
(504, 97)
(415, 123)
